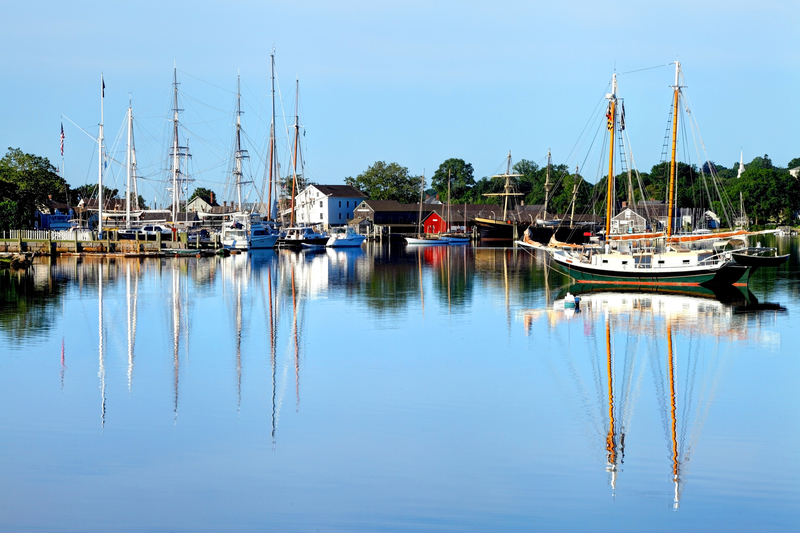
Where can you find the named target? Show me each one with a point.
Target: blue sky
(412, 82)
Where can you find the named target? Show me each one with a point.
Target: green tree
(205, 194)
(89, 190)
(26, 181)
(383, 181)
(461, 180)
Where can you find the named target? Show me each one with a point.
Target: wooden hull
(583, 273)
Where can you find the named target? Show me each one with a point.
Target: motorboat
(296, 237)
(345, 238)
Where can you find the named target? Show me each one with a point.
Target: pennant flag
(609, 118)
(103, 89)
(62, 139)
(622, 118)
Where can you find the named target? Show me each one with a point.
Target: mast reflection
(657, 318)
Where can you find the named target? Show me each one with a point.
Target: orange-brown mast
(611, 117)
(296, 143)
(671, 198)
(271, 139)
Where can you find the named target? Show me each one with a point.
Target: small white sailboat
(420, 237)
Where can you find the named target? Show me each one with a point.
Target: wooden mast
(547, 185)
(611, 117)
(296, 143)
(271, 138)
(575, 184)
(671, 197)
(419, 217)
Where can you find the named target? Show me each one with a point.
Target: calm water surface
(387, 390)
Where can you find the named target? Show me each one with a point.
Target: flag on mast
(103, 88)
(62, 139)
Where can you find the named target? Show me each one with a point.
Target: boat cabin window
(624, 262)
(660, 261)
(605, 260)
(685, 261)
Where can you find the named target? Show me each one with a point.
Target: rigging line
(207, 82)
(92, 137)
(591, 118)
(647, 68)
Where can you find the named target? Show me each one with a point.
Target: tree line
(769, 194)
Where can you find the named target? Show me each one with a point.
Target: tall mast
(449, 210)
(575, 184)
(128, 169)
(507, 187)
(547, 185)
(271, 138)
(175, 149)
(239, 154)
(611, 116)
(296, 144)
(419, 217)
(671, 198)
(100, 161)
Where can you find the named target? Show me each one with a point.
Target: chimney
(211, 197)
(224, 203)
(624, 204)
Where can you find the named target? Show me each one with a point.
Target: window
(348, 204)
(340, 215)
(340, 203)
(320, 203)
(605, 260)
(347, 216)
(320, 216)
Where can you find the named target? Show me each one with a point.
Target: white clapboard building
(329, 205)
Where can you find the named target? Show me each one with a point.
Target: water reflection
(682, 336)
(465, 350)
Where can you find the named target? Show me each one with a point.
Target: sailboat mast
(611, 116)
(575, 184)
(449, 210)
(547, 185)
(671, 198)
(507, 187)
(296, 144)
(128, 170)
(175, 150)
(271, 137)
(100, 161)
(419, 217)
(238, 152)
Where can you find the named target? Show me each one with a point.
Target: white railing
(46, 235)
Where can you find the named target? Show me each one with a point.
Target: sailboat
(453, 237)
(243, 232)
(421, 238)
(504, 229)
(646, 261)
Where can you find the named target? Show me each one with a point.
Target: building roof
(339, 191)
(395, 206)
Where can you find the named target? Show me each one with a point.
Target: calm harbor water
(392, 389)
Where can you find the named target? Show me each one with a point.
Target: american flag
(62, 139)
